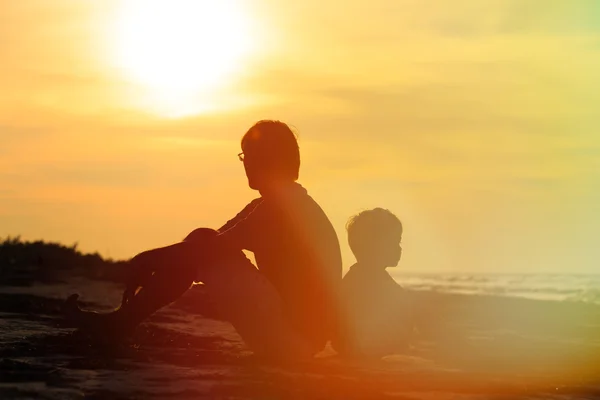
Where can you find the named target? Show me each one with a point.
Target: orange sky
(475, 122)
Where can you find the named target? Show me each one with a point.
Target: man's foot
(91, 323)
(71, 310)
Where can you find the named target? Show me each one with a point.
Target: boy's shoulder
(365, 276)
(365, 287)
(354, 272)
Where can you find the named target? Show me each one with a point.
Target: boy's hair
(277, 146)
(369, 226)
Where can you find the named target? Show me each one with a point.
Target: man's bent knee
(201, 235)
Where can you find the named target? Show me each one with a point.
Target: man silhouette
(288, 307)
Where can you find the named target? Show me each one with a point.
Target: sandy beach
(513, 348)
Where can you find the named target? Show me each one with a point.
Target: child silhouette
(378, 310)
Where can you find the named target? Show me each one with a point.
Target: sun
(182, 51)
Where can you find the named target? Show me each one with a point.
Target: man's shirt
(297, 249)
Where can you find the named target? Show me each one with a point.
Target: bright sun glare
(182, 51)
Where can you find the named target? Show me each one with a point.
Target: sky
(475, 122)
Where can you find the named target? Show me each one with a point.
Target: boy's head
(270, 154)
(374, 237)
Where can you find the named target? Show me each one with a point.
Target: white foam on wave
(557, 287)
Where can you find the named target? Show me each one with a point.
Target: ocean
(488, 337)
(583, 288)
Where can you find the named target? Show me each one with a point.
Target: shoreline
(515, 348)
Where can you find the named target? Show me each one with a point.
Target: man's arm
(205, 245)
(201, 246)
(253, 229)
(241, 215)
(180, 257)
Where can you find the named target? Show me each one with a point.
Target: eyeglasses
(241, 156)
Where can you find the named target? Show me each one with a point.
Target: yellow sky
(475, 122)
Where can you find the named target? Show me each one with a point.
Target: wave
(556, 287)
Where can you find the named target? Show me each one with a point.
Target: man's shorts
(246, 298)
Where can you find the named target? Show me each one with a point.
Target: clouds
(476, 121)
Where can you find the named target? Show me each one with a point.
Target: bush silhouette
(25, 262)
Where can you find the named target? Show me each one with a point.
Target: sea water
(558, 287)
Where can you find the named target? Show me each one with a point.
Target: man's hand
(140, 272)
(199, 247)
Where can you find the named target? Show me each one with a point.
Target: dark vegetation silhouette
(22, 263)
